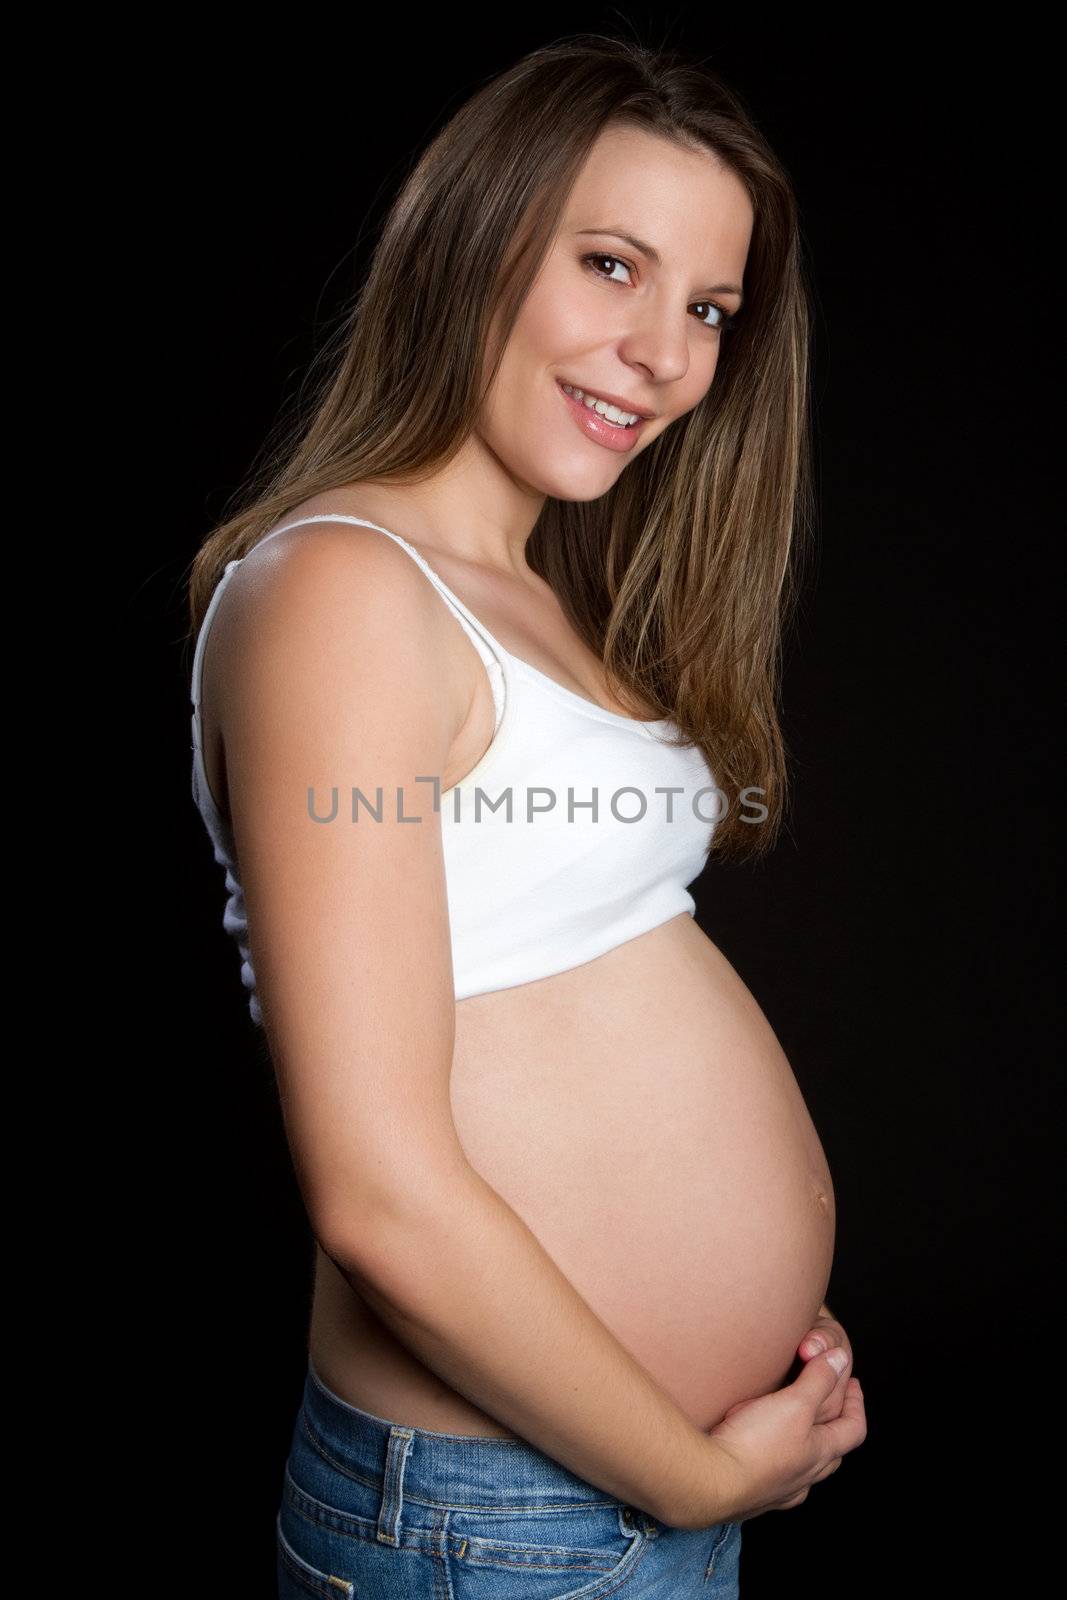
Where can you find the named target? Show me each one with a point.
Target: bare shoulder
(331, 631)
(339, 604)
(341, 568)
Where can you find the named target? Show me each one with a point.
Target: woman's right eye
(589, 259)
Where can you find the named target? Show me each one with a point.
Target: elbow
(385, 1236)
(367, 1254)
(346, 1238)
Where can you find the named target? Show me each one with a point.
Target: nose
(659, 343)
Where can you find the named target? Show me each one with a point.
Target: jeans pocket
(720, 1539)
(543, 1553)
(326, 1525)
(296, 1576)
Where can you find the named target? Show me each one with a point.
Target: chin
(576, 487)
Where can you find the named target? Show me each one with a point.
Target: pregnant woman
(483, 671)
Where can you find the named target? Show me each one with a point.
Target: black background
(899, 937)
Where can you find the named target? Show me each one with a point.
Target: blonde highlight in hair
(682, 576)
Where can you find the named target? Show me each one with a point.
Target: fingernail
(838, 1359)
(817, 1344)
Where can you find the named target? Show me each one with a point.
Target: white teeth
(624, 419)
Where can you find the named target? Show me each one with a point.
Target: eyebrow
(653, 254)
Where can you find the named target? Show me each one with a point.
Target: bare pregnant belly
(640, 1116)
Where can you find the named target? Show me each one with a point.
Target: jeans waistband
(453, 1469)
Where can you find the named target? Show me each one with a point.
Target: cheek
(709, 362)
(560, 319)
(701, 375)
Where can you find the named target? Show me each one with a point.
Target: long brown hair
(681, 576)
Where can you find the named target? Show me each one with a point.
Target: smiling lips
(613, 401)
(600, 429)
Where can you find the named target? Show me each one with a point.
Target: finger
(787, 1505)
(848, 1430)
(846, 1370)
(819, 1378)
(813, 1344)
(824, 1334)
(798, 1499)
(831, 1408)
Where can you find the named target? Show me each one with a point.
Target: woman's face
(606, 318)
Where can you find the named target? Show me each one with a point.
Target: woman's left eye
(724, 316)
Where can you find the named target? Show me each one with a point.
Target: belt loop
(396, 1456)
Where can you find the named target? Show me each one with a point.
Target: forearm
(467, 1287)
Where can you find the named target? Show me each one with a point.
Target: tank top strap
(201, 639)
(489, 649)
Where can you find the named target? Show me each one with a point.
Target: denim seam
(608, 1565)
(315, 1581)
(344, 1523)
(716, 1548)
(624, 1577)
(421, 1540)
(347, 1525)
(541, 1508)
(545, 1506)
(412, 1541)
(623, 1572)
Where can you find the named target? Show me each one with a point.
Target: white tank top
(578, 829)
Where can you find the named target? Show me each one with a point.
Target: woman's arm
(342, 667)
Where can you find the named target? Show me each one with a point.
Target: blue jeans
(371, 1510)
